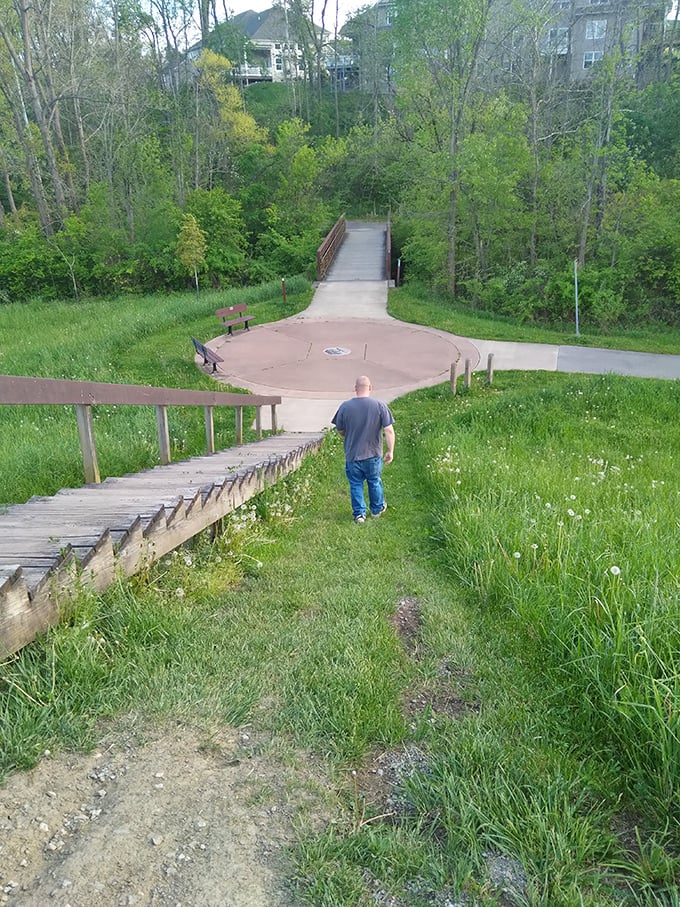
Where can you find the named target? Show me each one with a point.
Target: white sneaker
(382, 510)
(360, 519)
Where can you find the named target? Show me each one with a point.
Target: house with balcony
(273, 53)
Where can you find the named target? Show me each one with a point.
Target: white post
(576, 292)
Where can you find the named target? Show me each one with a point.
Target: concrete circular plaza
(313, 358)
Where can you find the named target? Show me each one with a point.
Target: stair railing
(20, 391)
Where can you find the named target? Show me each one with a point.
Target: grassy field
(127, 340)
(416, 304)
(532, 710)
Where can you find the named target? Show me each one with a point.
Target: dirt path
(170, 818)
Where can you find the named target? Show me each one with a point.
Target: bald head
(362, 386)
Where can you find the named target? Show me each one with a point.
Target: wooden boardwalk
(52, 546)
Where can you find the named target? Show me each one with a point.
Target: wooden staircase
(50, 547)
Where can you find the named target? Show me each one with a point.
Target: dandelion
(188, 561)
(534, 546)
(179, 592)
(570, 512)
(517, 555)
(614, 570)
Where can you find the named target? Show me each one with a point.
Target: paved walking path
(312, 359)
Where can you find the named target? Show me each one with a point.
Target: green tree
(191, 246)
(297, 214)
(219, 218)
(438, 48)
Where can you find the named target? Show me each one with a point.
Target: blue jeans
(369, 471)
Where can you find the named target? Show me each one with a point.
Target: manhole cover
(336, 351)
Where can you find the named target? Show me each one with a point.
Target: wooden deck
(50, 547)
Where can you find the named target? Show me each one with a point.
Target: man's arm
(389, 440)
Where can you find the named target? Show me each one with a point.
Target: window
(279, 64)
(596, 29)
(558, 40)
(590, 57)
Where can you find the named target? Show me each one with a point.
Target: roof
(269, 25)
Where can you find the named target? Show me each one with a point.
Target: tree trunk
(597, 178)
(24, 8)
(10, 194)
(15, 102)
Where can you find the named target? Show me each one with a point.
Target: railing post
(489, 369)
(468, 373)
(239, 425)
(209, 429)
(454, 377)
(163, 434)
(274, 426)
(88, 450)
(258, 422)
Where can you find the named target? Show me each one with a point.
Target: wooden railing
(388, 248)
(326, 251)
(18, 391)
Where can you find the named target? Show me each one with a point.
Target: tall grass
(552, 504)
(557, 510)
(125, 340)
(509, 508)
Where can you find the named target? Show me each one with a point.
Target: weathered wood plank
(19, 390)
(53, 546)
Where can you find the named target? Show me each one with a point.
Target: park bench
(233, 315)
(209, 357)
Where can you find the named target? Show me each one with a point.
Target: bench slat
(234, 315)
(239, 309)
(209, 356)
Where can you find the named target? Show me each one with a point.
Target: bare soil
(168, 817)
(180, 816)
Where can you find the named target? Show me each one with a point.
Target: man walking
(362, 422)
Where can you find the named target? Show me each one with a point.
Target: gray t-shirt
(362, 419)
